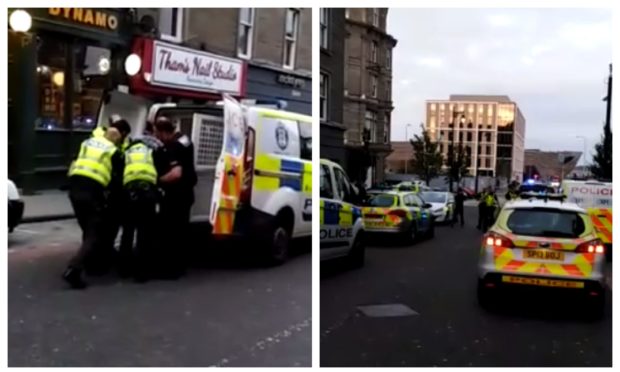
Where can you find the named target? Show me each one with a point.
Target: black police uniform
(176, 204)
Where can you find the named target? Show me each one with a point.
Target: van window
(342, 185)
(326, 183)
(305, 140)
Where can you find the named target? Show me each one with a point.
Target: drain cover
(386, 310)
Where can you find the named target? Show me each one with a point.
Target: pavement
(45, 205)
(429, 315)
(225, 312)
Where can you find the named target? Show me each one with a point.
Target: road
(436, 279)
(228, 313)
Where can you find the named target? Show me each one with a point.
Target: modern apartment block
(368, 92)
(490, 128)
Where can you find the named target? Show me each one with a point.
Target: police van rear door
(229, 170)
(336, 234)
(132, 108)
(596, 198)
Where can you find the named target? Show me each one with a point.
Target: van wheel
(357, 255)
(278, 244)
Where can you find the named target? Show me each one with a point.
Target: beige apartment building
(490, 128)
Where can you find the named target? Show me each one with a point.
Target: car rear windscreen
(546, 222)
(382, 200)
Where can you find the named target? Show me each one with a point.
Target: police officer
(511, 194)
(98, 168)
(140, 186)
(177, 180)
(490, 204)
(459, 207)
(481, 209)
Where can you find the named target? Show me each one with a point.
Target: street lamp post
(407, 140)
(451, 149)
(585, 154)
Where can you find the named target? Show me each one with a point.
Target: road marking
(267, 342)
(387, 310)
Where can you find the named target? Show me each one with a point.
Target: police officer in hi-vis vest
(140, 185)
(97, 170)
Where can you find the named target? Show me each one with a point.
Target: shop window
(324, 88)
(324, 12)
(290, 37)
(59, 86)
(51, 63)
(171, 24)
(246, 27)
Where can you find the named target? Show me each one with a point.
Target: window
(324, 13)
(375, 17)
(347, 13)
(388, 58)
(416, 200)
(433, 107)
(489, 150)
(388, 90)
(305, 140)
(290, 37)
(342, 186)
(171, 24)
(383, 201)
(70, 99)
(547, 223)
(480, 109)
(469, 136)
(386, 128)
(373, 52)
(246, 23)
(373, 86)
(326, 183)
(370, 124)
(488, 162)
(323, 96)
(470, 108)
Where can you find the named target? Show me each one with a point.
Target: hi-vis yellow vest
(489, 200)
(139, 164)
(98, 132)
(94, 160)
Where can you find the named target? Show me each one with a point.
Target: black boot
(73, 276)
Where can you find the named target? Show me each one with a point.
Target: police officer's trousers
(174, 217)
(89, 206)
(139, 223)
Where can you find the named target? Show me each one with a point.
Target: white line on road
(28, 231)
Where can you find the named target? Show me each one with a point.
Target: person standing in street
(481, 209)
(490, 205)
(177, 184)
(459, 205)
(98, 167)
(140, 186)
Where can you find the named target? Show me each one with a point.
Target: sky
(553, 63)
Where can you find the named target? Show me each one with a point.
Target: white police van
(254, 166)
(342, 228)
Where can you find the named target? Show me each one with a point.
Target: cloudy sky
(552, 62)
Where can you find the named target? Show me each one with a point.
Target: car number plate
(541, 254)
(543, 282)
(374, 223)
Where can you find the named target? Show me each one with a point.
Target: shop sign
(87, 17)
(184, 68)
(291, 80)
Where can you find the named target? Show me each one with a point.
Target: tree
(601, 167)
(427, 158)
(458, 163)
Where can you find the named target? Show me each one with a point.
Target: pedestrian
(459, 207)
(490, 204)
(97, 168)
(140, 186)
(177, 180)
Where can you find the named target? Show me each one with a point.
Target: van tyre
(357, 255)
(278, 243)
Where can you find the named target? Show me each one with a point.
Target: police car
(542, 243)
(16, 206)
(342, 230)
(403, 214)
(254, 166)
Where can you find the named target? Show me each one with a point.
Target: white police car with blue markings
(342, 227)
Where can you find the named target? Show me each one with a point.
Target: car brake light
(497, 240)
(593, 246)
